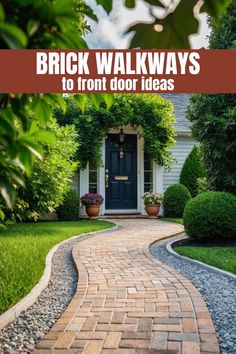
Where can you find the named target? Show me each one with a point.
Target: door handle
(107, 179)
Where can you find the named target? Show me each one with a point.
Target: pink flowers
(91, 199)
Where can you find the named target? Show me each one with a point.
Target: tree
(33, 24)
(192, 169)
(50, 178)
(223, 34)
(213, 117)
(151, 114)
(166, 31)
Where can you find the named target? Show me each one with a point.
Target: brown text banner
(101, 71)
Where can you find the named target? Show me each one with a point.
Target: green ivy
(150, 114)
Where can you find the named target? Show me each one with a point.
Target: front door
(121, 172)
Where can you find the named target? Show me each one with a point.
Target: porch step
(125, 216)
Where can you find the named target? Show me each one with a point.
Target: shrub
(203, 185)
(212, 116)
(192, 169)
(69, 209)
(175, 199)
(211, 216)
(50, 177)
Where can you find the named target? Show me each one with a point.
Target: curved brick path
(127, 302)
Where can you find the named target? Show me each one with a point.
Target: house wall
(162, 179)
(184, 145)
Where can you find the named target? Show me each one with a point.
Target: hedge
(211, 216)
(175, 199)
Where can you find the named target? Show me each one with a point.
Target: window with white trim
(93, 177)
(148, 173)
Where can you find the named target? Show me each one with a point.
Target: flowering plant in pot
(152, 202)
(92, 202)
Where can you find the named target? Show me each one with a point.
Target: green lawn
(176, 220)
(23, 249)
(220, 257)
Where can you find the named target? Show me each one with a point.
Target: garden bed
(220, 254)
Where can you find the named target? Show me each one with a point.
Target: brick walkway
(127, 302)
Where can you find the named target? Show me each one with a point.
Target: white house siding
(184, 145)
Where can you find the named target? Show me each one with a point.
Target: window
(93, 177)
(148, 173)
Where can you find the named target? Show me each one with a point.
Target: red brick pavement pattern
(127, 302)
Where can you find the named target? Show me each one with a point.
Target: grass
(220, 257)
(23, 249)
(176, 220)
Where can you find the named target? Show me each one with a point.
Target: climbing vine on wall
(150, 114)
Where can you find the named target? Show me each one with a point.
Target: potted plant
(152, 202)
(92, 202)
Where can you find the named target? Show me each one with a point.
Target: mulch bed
(207, 243)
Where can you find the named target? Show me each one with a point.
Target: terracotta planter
(152, 210)
(93, 211)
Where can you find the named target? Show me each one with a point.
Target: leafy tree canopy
(33, 24)
(174, 24)
(223, 34)
(214, 117)
(49, 23)
(152, 115)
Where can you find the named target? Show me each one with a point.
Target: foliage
(152, 198)
(20, 212)
(213, 117)
(202, 185)
(152, 115)
(166, 31)
(51, 24)
(175, 199)
(223, 34)
(33, 24)
(214, 125)
(69, 209)
(192, 169)
(50, 177)
(23, 249)
(211, 216)
(220, 257)
(91, 199)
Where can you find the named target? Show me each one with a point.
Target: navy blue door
(121, 172)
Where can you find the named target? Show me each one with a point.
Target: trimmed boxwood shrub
(69, 209)
(175, 199)
(192, 169)
(210, 216)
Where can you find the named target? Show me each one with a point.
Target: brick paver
(127, 302)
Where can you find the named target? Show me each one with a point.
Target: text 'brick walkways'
(127, 302)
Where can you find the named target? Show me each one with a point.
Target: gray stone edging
(11, 314)
(204, 265)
